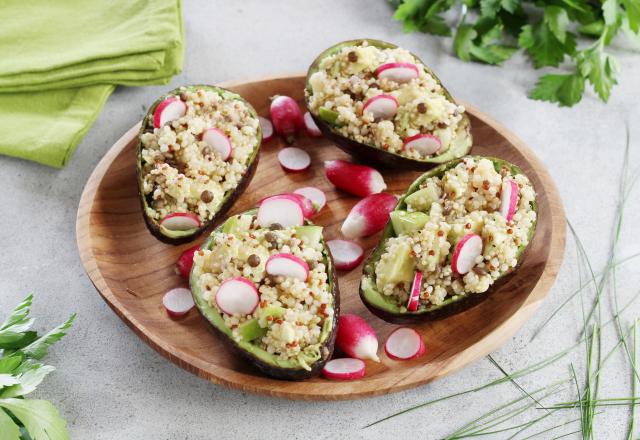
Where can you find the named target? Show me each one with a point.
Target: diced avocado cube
(399, 268)
(328, 116)
(406, 222)
(422, 199)
(250, 330)
(310, 235)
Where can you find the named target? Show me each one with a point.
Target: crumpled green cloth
(60, 60)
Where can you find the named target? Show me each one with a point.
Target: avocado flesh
(405, 222)
(399, 268)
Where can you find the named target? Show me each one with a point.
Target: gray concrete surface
(110, 385)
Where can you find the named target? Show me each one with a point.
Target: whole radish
(185, 262)
(356, 338)
(359, 180)
(368, 216)
(286, 117)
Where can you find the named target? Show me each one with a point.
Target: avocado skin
(455, 307)
(372, 154)
(151, 224)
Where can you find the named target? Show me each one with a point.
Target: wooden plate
(132, 270)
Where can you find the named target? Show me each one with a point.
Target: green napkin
(60, 61)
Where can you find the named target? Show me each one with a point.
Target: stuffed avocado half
(270, 292)
(382, 104)
(197, 151)
(455, 235)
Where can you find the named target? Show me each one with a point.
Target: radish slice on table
(284, 210)
(466, 252)
(218, 141)
(237, 295)
(317, 196)
(424, 144)
(178, 302)
(286, 117)
(310, 126)
(398, 72)
(356, 338)
(381, 106)
(346, 254)
(369, 215)
(359, 180)
(180, 221)
(267, 129)
(414, 295)
(509, 199)
(403, 344)
(294, 159)
(344, 369)
(287, 265)
(185, 262)
(168, 110)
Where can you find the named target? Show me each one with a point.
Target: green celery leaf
(543, 46)
(7, 380)
(489, 8)
(38, 348)
(510, 6)
(8, 363)
(436, 26)
(565, 90)
(610, 11)
(19, 315)
(632, 7)
(493, 54)
(600, 68)
(463, 41)
(557, 19)
(40, 418)
(13, 341)
(8, 429)
(27, 378)
(593, 29)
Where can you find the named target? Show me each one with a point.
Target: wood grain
(132, 270)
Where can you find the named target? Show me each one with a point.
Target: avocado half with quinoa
(270, 292)
(197, 152)
(457, 234)
(382, 104)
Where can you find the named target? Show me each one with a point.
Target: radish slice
(381, 106)
(466, 252)
(317, 197)
(294, 159)
(168, 110)
(414, 297)
(178, 302)
(237, 295)
(369, 215)
(287, 265)
(267, 129)
(424, 144)
(185, 262)
(286, 117)
(308, 209)
(359, 180)
(403, 344)
(218, 141)
(356, 338)
(398, 72)
(284, 210)
(344, 369)
(310, 126)
(509, 199)
(346, 254)
(180, 221)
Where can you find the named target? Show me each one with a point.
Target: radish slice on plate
(286, 117)
(346, 254)
(398, 72)
(424, 144)
(267, 129)
(356, 338)
(403, 344)
(185, 262)
(168, 110)
(414, 296)
(287, 265)
(218, 142)
(310, 126)
(509, 199)
(369, 215)
(294, 159)
(466, 252)
(180, 221)
(382, 106)
(344, 369)
(359, 180)
(317, 196)
(178, 302)
(284, 210)
(237, 295)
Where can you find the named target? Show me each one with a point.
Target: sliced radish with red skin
(287, 265)
(359, 180)
(424, 144)
(267, 129)
(509, 199)
(286, 117)
(310, 126)
(346, 254)
(218, 141)
(180, 221)
(317, 196)
(308, 209)
(414, 296)
(294, 159)
(466, 252)
(237, 295)
(404, 343)
(356, 338)
(284, 210)
(398, 72)
(185, 262)
(168, 110)
(369, 215)
(382, 106)
(178, 302)
(344, 369)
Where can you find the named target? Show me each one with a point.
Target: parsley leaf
(463, 41)
(543, 46)
(566, 90)
(40, 418)
(600, 68)
(38, 348)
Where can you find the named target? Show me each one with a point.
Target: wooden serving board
(132, 270)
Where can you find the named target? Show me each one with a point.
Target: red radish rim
(178, 301)
(378, 97)
(412, 305)
(317, 196)
(294, 159)
(303, 202)
(310, 125)
(344, 369)
(339, 248)
(285, 220)
(459, 248)
(160, 108)
(240, 280)
(418, 136)
(186, 215)
(267, 128)
(414, 352)
(394, 65)
(228, 148)
(284, 256)
(512, 202)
